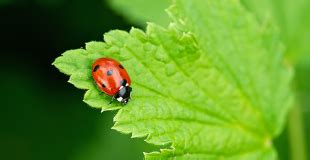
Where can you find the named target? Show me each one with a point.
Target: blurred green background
(43, 117)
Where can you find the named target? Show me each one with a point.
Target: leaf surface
(141, 11)
(212, 85)
(292, 17)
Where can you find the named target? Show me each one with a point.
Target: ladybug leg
(113, 98)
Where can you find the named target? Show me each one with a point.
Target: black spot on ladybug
(123, 82)
(96, 68)
(110, 72)
(120, 66)
(103, 85)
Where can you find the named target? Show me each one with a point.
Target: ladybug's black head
(123, 95)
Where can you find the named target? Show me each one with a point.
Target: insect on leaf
(212, 85)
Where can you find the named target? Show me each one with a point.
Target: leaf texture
(212, 85)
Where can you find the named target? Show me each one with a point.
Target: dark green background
(42, 116)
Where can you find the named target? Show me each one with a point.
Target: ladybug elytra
(112, 79)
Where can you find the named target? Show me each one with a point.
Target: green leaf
(293, 19)
(210, 86)
(292, 16)
(141, 11)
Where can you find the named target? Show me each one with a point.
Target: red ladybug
(112, 79)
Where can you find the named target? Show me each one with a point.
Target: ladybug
(112, 79)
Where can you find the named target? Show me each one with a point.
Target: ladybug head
(123, 95)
